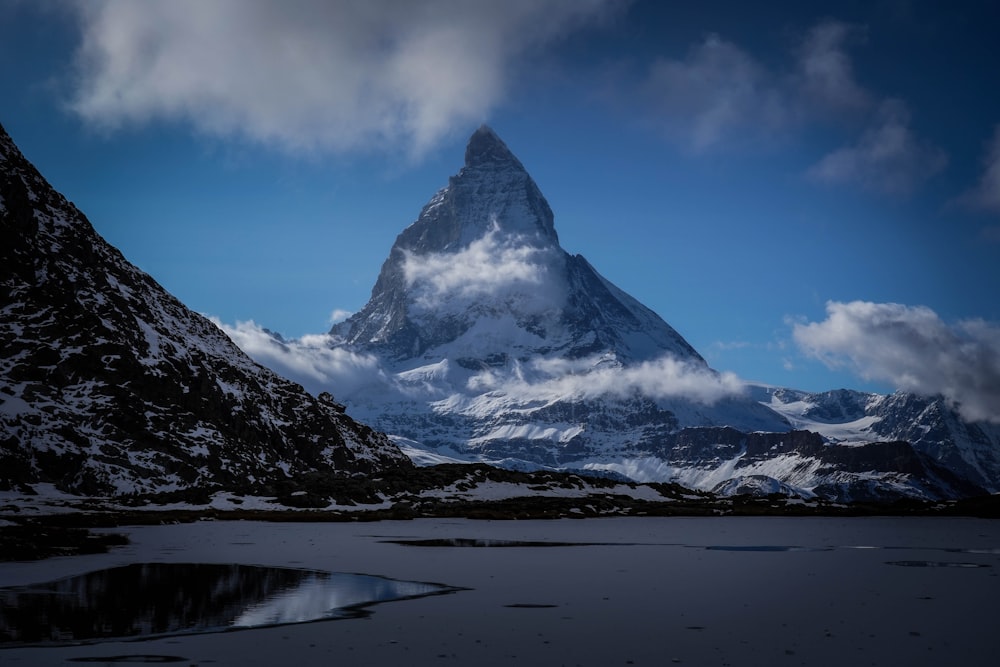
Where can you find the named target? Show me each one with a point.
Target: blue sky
(808, 192)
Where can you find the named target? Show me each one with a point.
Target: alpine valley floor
(617, 591)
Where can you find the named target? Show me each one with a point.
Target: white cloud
(986, 194)
(595, 377)
(717, 91)
(887, 158)
(913, 348)
(339, 315)
(311, 75)
(319, 364)
(311, 360)
(504, 268)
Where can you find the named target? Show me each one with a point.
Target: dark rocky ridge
(108, 384)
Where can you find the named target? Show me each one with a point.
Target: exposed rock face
(108, 384)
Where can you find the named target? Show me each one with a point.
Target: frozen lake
(640, 591)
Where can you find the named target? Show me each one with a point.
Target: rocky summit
(481, 269)
(109, 385)
(490, 342)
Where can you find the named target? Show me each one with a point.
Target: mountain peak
(493, 192)
(484, 252)
(485, 147)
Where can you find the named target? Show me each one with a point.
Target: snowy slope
(108, 384)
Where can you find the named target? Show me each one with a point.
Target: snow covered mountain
(484, 340)
(495, 343)
(108, 384)
(970, 451)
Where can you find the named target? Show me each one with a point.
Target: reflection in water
(155, 599)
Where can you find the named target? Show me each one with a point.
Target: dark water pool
(147, 600)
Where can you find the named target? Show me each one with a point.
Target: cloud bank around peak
(494, 269)
(911, 347)
(310, 75)
(663, 378)
(319, 364)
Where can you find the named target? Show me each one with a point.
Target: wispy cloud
(985, 195)
(595, 377)
(313, 360)
(506, 268)
(714, 93)
(887, 158)
(824, 73)
(914, 349)
(720, 94)
(311, 75)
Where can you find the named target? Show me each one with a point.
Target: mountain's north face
(108, 384)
